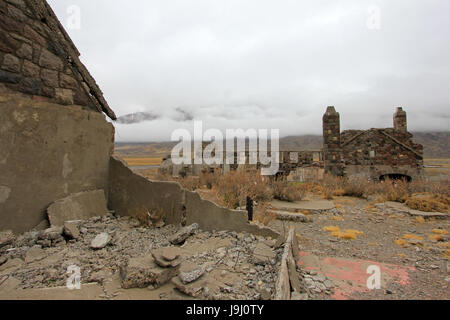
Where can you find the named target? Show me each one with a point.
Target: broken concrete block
(263, 254)
(170, 253)
(10, 283)
(6, 238)
(183, 234)
(190, 272)
(142, 272)
(51, 233)
(167, 257)
(101, 241)
(42, 225)
(193, 289)
(71, 230)
(34, 254)
(12, 264)
(79, 206)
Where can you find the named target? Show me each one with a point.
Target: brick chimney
(332, 142)
(400, 122)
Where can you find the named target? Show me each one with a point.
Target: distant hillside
(436, 145)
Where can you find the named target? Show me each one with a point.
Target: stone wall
(32, 62)
(47, 153)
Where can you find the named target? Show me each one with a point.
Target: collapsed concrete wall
(131, 194)
(210, 216)
(47, 153)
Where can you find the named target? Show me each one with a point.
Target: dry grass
(143, 161)
(235, 186)
(286, 191)
(429, 202)
(348, 234)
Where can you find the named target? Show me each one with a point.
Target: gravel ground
(381, 227)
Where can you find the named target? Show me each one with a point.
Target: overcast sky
(266, 64)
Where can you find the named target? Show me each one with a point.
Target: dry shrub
(209, 179)
(235, 186)
(286, 191)
(190, 183)
(429, 202)
(393, 190)
(263, 215)
(331, 184)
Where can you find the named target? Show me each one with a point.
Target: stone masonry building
(376, 153)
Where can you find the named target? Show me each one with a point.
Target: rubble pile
(197, 264)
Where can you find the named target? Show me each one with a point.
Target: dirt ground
(419, 264)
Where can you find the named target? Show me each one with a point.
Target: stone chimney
(400, 123)
(332, 142)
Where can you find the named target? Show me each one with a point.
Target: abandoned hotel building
(374, 154)
(56, 154)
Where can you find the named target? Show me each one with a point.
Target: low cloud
(266, 63)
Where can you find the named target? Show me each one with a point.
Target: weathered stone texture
(373, 153)
(39, 61)
(332, 142)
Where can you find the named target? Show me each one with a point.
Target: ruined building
(376, 153)
(56, 146)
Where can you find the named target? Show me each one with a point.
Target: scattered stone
(170, 253)
(265, 294)
(183, 234)
(190, 272)
(6, 238)
(71, 230)
(10, 283)
(142, 272)
(43, 225)
(160, 260)
(51, 233)
(299, 296)
(101, 241)
(263, 254)
(3, 259)
(35, 254)
(328, 284)
(11, 264)
(193, 289)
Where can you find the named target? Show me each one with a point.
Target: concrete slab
(302, 205)
(350, 275)
(79, 206)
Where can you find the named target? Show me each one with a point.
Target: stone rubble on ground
(101, 241)
(183, 234)
(209, 265)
